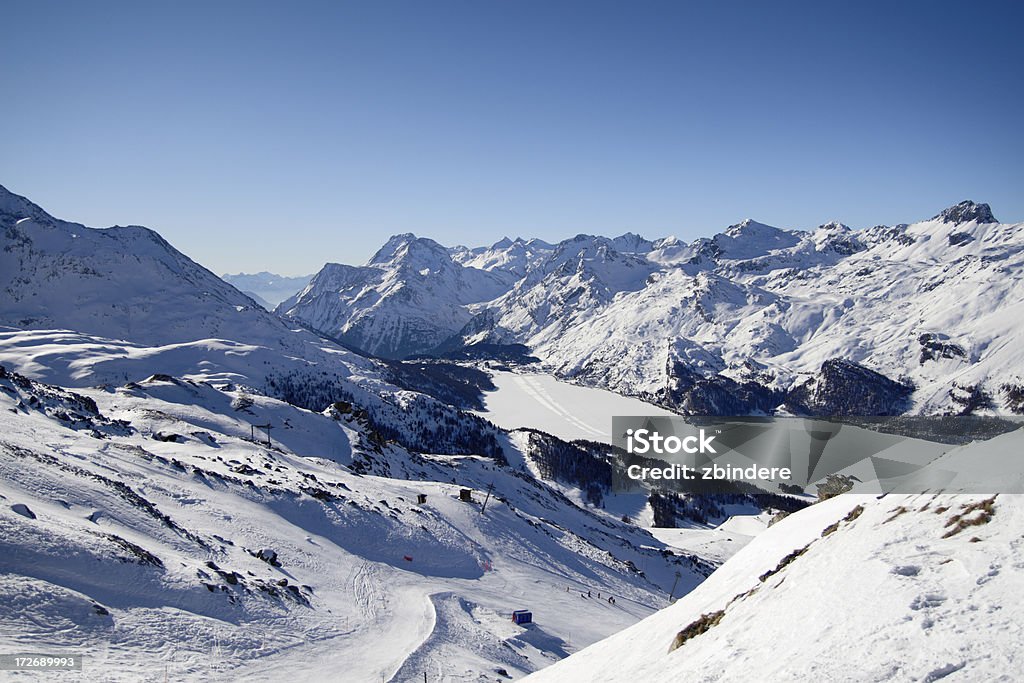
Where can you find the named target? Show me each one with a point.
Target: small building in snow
(522, 616)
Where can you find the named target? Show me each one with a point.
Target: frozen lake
(566, 410)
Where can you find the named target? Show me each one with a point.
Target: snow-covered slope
(143, 524)
(271, 288)
(906, 588)
(409, 298)
(85, 306)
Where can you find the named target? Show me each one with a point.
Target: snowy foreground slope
(133, 521)
(902, 588)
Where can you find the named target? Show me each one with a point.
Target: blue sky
(282, 135)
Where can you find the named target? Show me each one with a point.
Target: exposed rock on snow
(966, 212)
(23, 510)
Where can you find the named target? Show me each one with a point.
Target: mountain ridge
(754, 303)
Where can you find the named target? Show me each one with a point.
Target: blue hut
(522, 616)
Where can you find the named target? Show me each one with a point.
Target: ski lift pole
(266, 428)
(490, 487)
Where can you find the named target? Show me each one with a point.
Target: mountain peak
(748, 226)
(965, 212)
(405, 245)
(632, 243)
(399, 239)
(14, 207)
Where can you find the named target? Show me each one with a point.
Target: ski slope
(921, 587)
(718, 543)
(130, 519)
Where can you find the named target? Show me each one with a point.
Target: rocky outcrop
(965, 212)
(693, 394)
(845, 388)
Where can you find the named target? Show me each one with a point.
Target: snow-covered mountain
(415, 294)
(509, 258)
(917, 317)
(267, 289)
(121, 283)
(857, 588)
(409, 298)
(86, 306)
(578, 278)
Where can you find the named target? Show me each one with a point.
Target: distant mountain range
(267, 289)
(755, 319)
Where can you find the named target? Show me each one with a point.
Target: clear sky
(282, 135)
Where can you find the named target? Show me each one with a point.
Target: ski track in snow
(532, 387)
(456, 626)
(366, 590)
(565, 410)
